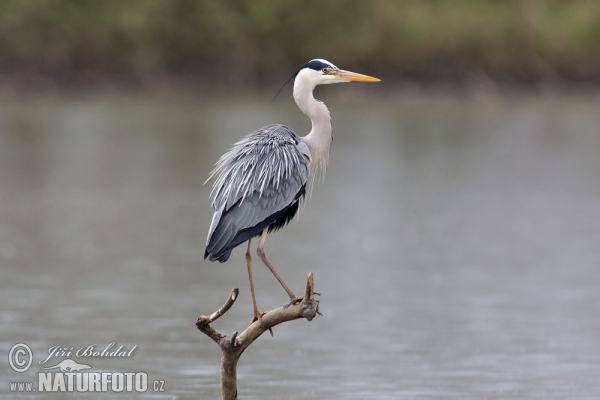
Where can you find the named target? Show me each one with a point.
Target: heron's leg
(261, 254)
(257, 314)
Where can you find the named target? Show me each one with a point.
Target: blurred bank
(243, 44)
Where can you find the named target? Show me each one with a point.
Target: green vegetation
(241, 41)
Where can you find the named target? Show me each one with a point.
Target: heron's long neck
(319, 138)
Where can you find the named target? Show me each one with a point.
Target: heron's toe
(295, 300)
(257, 317)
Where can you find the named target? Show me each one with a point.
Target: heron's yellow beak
(348, 76)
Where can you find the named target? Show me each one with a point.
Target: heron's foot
(257, 317)
(294, 300)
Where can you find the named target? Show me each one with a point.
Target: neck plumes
(319, 138)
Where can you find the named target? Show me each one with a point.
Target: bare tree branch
(203, 322)
(232, 348)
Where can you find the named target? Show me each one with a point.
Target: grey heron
(260, 182)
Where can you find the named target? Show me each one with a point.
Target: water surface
(455, 243)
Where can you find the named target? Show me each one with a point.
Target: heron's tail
(221, 257)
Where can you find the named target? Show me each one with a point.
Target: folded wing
(259, 184)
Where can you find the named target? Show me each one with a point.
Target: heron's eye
(325, 70)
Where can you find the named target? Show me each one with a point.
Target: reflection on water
(455, 243)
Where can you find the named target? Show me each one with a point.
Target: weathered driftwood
(233, 347)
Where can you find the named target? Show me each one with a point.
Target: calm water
(456, 244)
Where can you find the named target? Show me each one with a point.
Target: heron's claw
(257, 317)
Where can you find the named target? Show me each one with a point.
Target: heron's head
(322, 72)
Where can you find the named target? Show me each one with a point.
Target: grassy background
(241, 43)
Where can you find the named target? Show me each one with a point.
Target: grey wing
(259, 185)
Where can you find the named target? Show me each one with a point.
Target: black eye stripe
(317, 65)
(314, 65)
